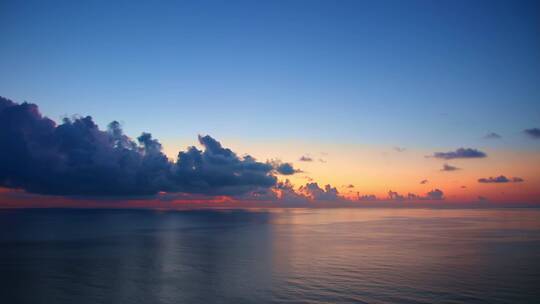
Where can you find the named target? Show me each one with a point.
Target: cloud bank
(77, 158)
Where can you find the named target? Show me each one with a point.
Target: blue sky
(404, 73)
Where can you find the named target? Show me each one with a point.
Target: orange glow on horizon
(374, 170)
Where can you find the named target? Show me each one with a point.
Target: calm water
(279, 256)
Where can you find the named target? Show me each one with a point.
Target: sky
(368, 91)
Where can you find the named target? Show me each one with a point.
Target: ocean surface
(270, 256)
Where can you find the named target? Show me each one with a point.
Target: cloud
(498, 179)
(217, 170)
(435, 194)
(366, 197)
(282, 192)
(394, 196)
(306, 158)
(460, 153)
(284, 168)
(492, 135)
(501, 179)
(77, 158)
(447, 167)
(412, 196)
(425, 181)
(533, 133)
(286, 193)
(313, 191)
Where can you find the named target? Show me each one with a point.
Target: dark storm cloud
(76, 158)
(447, 167)
(492, 135)
(501, 179)
(305, 158)
(533, 133)
(218, 170)
(460, 153)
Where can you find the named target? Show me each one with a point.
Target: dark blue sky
(405, 73)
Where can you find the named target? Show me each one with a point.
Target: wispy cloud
(532, 133)
(501, 179)
(492, 135)
(306, 158)
(366, 197)
(449, 168)
(460, 153)
(435, 194)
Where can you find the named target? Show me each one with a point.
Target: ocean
(362, 255)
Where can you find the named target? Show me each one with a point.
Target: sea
(361, 255)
